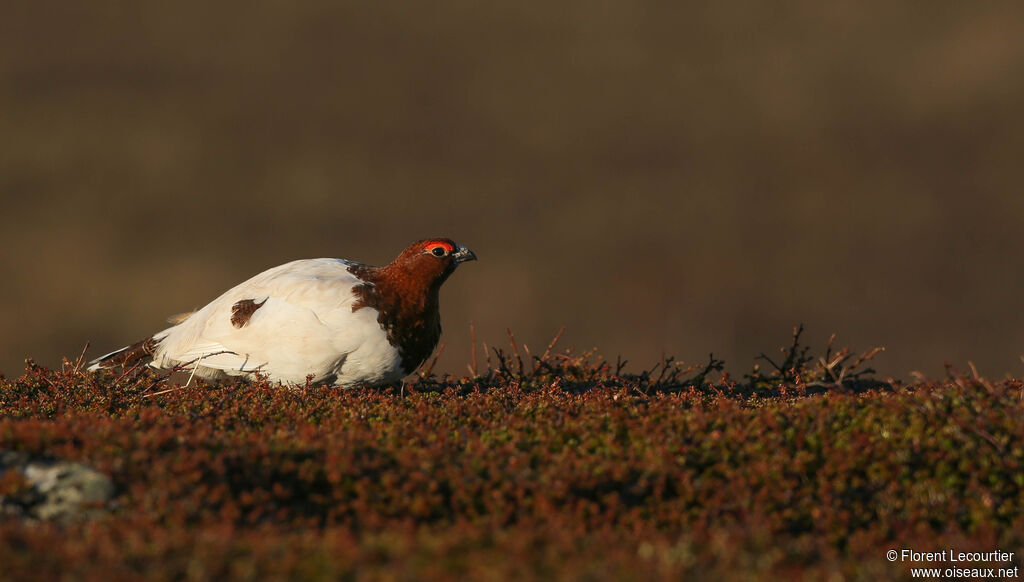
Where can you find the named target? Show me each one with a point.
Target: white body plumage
(304, 326)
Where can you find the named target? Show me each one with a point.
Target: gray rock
(55, 489)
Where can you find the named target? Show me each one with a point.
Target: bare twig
(867, 356)
(646, 374)
(487, 356)
(126, 371)
(551, 345)
(179, 367)
(472, 337)
(828, 348)
(619, 365)
(174, 389)
(665, 362)
(502, 365)
(429, 370)
(830, 361)
(515, 350)
(81, 359)
(194, 368)
(795, 357)
(981, 379)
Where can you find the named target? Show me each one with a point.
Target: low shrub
(566, 469)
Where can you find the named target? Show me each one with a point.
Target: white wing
(304, 326)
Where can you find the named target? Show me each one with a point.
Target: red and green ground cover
(568, 471)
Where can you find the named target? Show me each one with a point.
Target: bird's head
(432, 260)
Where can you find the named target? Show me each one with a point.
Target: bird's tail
(140, 351)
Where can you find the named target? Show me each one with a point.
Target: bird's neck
(407, 308)
(405, 292)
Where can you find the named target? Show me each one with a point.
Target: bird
(318, 321)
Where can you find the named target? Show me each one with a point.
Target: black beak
(462, 254)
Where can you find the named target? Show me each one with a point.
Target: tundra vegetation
(558, 466)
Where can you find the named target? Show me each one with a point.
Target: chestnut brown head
(431, 260)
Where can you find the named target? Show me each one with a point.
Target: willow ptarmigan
(339, 321)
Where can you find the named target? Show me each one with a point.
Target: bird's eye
(439, 248)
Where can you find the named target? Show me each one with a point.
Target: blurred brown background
(656, 176)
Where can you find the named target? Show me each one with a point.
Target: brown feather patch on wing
(242, 311)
